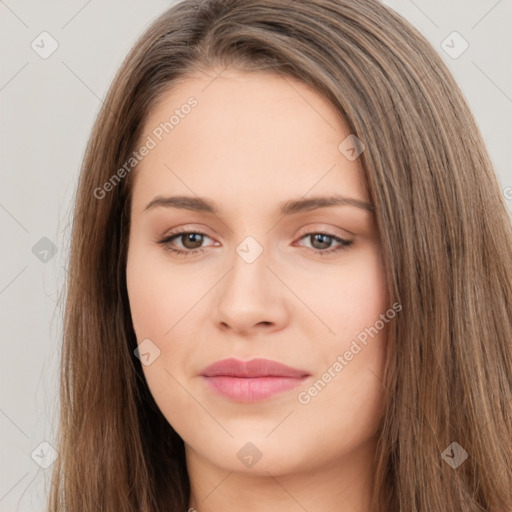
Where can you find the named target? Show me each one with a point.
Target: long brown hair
(446, 241)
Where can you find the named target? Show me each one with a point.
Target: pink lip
(250, 381)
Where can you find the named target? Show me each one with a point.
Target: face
(245, 266)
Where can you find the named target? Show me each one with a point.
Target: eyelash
(344, 244)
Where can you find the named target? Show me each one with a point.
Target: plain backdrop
(48, 106)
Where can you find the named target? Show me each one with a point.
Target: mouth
(251, 381)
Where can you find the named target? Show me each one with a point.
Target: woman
(290, 277)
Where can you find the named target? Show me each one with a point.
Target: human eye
(191, 242)
(321, 239)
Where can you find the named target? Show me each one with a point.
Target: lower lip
(252, 389)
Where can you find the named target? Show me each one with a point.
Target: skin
(252, 142)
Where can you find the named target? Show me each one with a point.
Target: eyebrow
(199, 204)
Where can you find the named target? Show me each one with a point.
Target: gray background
(47, 109)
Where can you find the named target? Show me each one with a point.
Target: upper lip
(254, 368)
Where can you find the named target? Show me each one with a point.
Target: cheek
(348, 298)
(158, 301)
(159, 295)
(351, 359)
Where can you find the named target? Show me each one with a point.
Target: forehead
(250, 137)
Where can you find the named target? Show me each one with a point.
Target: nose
(251, 298)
